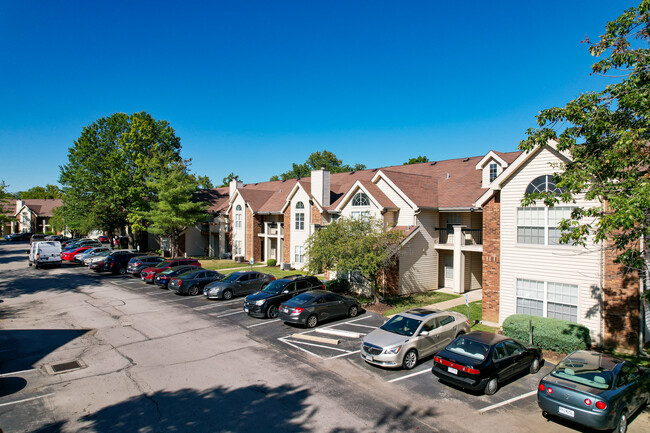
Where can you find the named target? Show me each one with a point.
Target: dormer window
(360, 199)
(493, 171)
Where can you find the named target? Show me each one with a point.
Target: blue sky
(252, 86)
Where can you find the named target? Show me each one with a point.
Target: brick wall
(316, 217)
(621, 304)
(491, 261)
(287, 235)
(257, 241)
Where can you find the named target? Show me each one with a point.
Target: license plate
(246, 309)
(565, 411)
(369, 358)
(452, 370)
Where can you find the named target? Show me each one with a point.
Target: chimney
(320, 186)
(235, 185)
(19, 204)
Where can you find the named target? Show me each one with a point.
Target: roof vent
(466, 159)
(284, 180)
(352, 172)
(434, 162)
(448, 175)
(374, 170)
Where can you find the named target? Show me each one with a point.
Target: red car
(148, 275)
(69, 255)
(103, 239)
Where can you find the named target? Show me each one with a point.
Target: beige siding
(561, 264)
(475, 267)
(406, 215)
(195, 242)
(299, 237)
(486, 172)
(239, 234)
(418, 263)
(373, 209)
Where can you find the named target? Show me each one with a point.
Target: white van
(45, 253)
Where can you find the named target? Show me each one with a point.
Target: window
(539, 225)
(238, 220)
(236, 246)
(543, 184)
(493, 171)
(446, 320)
(360, 199)
(300, 217)
(547, 299)
(300, 254)
(360, 215)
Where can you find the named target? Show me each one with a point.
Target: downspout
(642, 284)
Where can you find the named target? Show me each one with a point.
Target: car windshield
(232, 277)
(162, 265)
(186, 274)
(469, 348)
(578, 370)
(275, 287)
(301, 299)
(401, 325)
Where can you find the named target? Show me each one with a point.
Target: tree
(316, 161)
(39, 192)
(607, 138)
(174, 208)
(204, 182)
(229, 178)
(417, 160)
(105, 181)
(5, 205)
(354, 245)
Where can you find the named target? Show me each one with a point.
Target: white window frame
(236, 246)
(493, 171)
(547, 298)
(299, 217)
(299, 256)
(547, 225)
(360, 214)
(238, 220)
(359, 197)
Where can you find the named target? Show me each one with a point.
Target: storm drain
(64, 367)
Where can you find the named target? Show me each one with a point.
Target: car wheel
(193, 291)
(122, 271)
(353, 311)
(312, 321)
(460, 333)
(621, 424)
(410, 359)
(272, 312)
(227, 294)
(491, 387)
(534, 366)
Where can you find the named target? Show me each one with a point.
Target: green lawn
(216, 264)
(403, 303)
(475, 313)
(273, 270)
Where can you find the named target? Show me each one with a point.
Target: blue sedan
(595, 390)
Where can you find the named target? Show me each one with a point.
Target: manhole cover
(63, 367)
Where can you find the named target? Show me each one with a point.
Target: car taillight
(462, 368)
(322, 286)
(549, 390)
(298, 310)
(587, 402)
(601, 405)
(541, 387)
(272, 278)
(180, 282)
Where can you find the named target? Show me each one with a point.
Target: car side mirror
(424, 333)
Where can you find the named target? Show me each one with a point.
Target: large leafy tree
(354, 245)
(174, 208)
(607, 137)
(6, 210)
(42, 192)
(105, 181)
(226, 180)
(315, 161)
(417, 160)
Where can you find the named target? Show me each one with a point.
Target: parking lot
(200, 335)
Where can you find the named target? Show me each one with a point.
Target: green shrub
(551, 334)
(338, 285)
(271, 262)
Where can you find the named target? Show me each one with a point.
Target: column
(459, 260)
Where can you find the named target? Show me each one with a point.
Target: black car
(117, 261)
(15, 237)
(481, 360)
(315, 306)
(237, 283)
(162, 279)
(193, 281)
(37, 237)
(137, 264)
(265, 303)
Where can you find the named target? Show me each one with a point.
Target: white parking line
(363, 326)
(503, 403)
(428, 370)
(345, 354)
(229, 314)
(263, 323)
(26, 399)
(157, 293)
(349, 321)
(17, 372)
(216, 304)
(318, 345)
(299, 348)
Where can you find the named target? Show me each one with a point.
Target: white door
(449, 270)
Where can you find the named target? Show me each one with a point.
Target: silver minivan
(412, 335)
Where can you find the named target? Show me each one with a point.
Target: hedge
(338, 285)
(551, 334)
(271, 262)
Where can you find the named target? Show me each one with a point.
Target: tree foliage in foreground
(316, 161)
(348, 245)
(607, 136)
(106, 180)
(174, 209)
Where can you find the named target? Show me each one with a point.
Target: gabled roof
(420, 189)
(492, 155)
(374, 194)
(41, 207)
(216, 198)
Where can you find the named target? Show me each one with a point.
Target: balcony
(468, 239)
(272, 229)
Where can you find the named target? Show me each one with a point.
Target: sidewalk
(473, 295)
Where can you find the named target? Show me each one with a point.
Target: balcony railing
(469, 236)
(445, 236)
(272, 229)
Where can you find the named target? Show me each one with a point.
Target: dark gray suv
(237, 284)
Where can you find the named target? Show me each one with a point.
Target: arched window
(238, 217)
(238, 208)
(300, 216)
(543, 184)
(360, 199)
(300, 205)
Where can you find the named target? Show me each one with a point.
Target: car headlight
(392, 350)
(259, 302)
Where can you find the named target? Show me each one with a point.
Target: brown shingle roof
(43, 207)
(420, 189)
(217, 199)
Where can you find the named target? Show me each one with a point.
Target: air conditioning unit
(240, 259)
(285, 266)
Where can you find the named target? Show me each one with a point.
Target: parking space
(342, 339)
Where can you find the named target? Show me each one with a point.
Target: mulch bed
(377, 307)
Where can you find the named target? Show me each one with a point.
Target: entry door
(273, 248)
(449, 270)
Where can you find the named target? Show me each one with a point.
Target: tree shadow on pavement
(31, 281)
